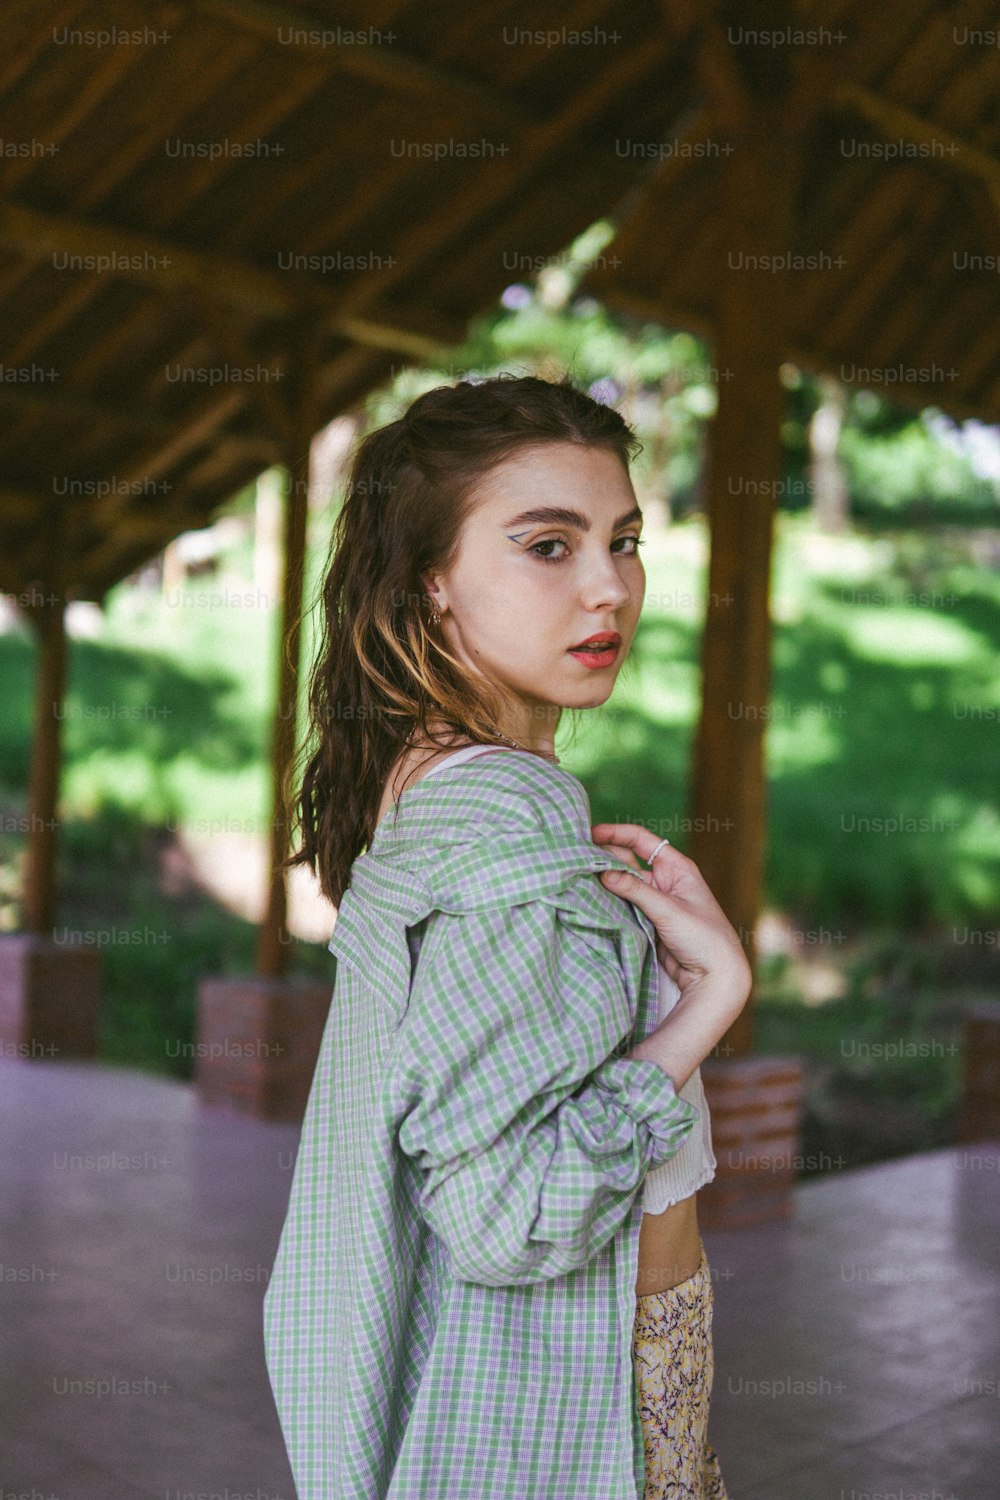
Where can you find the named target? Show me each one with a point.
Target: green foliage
(665, 383)
(908, 467)
(662, 381)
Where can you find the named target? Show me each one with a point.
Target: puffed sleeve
(532, 1136)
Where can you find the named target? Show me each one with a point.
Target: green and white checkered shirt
(450, 1312)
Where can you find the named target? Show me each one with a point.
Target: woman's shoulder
(497, 792)
(504, 830)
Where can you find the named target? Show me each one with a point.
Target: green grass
(881, 713)
(886, 681)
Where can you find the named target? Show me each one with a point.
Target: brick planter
(257, 1044)
(50, 998)
(756, 1109)
(979, 1116)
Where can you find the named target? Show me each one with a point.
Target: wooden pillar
(744, 475)
(259, 1035)
(50, 991)
(43, 786)
(273, 938)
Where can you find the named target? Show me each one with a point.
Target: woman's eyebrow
(556, 515)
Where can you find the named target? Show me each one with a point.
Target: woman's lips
(601, 654)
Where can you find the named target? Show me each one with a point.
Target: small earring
(435, 616)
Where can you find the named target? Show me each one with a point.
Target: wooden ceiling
(893, 280)
(199, 199)
(190, 190)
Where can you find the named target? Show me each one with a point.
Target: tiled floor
(857, 1345)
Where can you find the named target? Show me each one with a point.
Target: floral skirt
(672, 1357)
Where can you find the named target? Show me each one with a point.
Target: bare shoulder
(413, 764)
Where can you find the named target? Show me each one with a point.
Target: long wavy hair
(382, 669)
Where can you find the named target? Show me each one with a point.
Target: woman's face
(547, 557)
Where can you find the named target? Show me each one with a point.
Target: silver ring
(656, 851)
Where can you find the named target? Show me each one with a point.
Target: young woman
(490, 1281)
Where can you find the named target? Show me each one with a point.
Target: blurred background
(886, 610)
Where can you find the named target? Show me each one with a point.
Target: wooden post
(273, 938)
(43, 788)
(50, 991)
(259, 1035)
(744, 475)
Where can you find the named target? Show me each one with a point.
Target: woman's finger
(633, 836)
(620, 852)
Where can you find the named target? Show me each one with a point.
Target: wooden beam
(696, 24)
(978, 357)
(721, 78)
(94, 87)
(270, 400)
(22, 506)
(641, 303)
(896, 326)
(56, 316)
(872, 222)
(825, 360)
(55, 406)
(181, 94)
(488, 190)
(225, 456)
(154, 462)
(141, 258)
(390, 65)
(892, 119)
(352, 212)
(699, 127)
(141, 545)
(20, 54)
(169, 268)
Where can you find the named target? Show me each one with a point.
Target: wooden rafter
(20, 506)
(389, 66)
(147, 133)
(59, 407)
(270, 400)
(20, 58)
(112, 68)
(212, 414)
(488, 191)
(170, 268)
(62, 311)
(893, 120)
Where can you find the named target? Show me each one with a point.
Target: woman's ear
(433, 587)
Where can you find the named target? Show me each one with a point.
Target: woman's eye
(554, 541)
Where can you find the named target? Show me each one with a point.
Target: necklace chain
(549, 754)
(516, 745)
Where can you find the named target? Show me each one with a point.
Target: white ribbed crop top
(694, 1164)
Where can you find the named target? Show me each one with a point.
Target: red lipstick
(598, 650)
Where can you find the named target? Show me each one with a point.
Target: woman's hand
(695, 942)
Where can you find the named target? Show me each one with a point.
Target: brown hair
(381, 667)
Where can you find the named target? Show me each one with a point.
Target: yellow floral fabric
(672, 1359)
